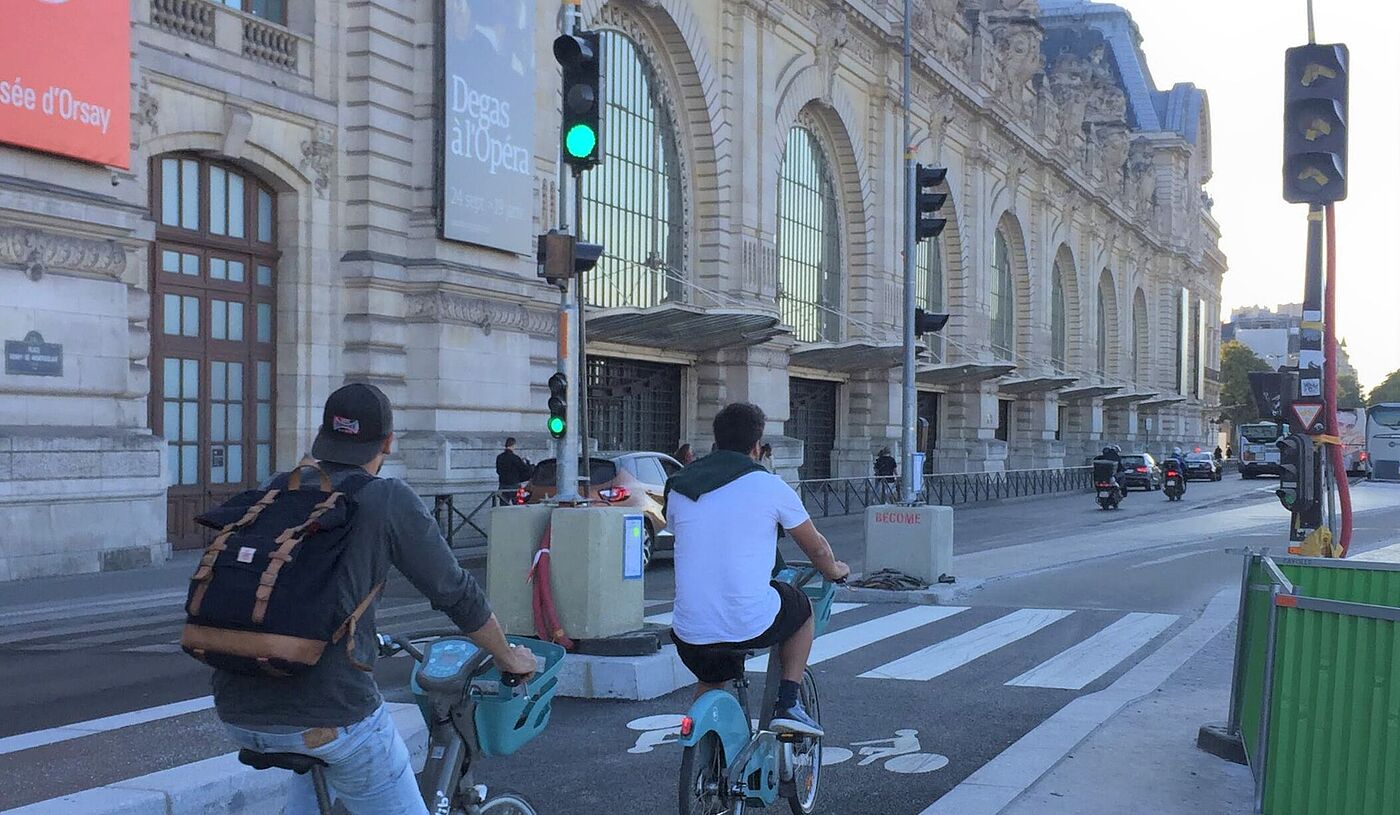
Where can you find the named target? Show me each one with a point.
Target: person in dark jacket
(334, 711)
(511, 469)
(885, 465)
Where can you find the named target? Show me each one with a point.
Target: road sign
(1305, 415)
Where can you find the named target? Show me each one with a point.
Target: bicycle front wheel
(807, 753)
(507, 804)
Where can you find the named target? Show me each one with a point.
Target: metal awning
(958, 373)
(1035, 384)
(1127, 398)
(684, 327)
(1087, 392)
(1153, 404)
(852, 355)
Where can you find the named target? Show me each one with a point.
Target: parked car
(636, 480)
(1203, 466)
(1140, 470)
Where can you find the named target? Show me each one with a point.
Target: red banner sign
(65, 78)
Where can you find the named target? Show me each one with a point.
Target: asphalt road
(968, 679)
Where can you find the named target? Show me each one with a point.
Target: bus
(1383, 441)
(1258, 449)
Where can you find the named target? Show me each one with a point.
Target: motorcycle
(1173, 485)
(1106, 487)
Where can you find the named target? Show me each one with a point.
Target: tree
(1387, 391)
(1236, 398)
(1349, 392)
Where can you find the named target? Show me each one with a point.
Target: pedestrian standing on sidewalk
(511, 471)
(333, 710)
(885, 469)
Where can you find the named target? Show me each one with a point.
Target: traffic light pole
(567, 450)
(909, 414)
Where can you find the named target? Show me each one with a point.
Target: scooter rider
(1178, 459)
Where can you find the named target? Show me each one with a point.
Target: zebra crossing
(878, 641)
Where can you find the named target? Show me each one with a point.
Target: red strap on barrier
(547, 624)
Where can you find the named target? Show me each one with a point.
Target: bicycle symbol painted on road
(901, 754)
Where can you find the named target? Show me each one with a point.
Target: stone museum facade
(279, 231)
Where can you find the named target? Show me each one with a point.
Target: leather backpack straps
(294, 479)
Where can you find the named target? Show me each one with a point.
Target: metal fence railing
(462, 516)
(825, 497)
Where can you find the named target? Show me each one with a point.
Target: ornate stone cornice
(38, 251)
(484, 313)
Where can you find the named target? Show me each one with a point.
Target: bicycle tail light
(687, 726)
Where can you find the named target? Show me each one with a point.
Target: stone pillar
(1033, 444)
(1084, 432)
(1121, 425)
(969, 443)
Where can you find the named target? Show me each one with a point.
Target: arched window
(809, 242)
(1058, 334)
(213, 334)
(1139, 336)
(632, 201)
(1003, 299)
(1107, 319)
(1101, 317)
(928, 287)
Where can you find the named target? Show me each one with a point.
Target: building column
(1033, 445)
(969, 443)
(1083, 434)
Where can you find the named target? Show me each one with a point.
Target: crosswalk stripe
(38, 738)
(1076, 667)
(85, 628)
(846, 640)
(666, 617)
(942, 657)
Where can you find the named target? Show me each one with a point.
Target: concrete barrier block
(639, 678)
(510, 549)
(916, 540)
(593, 598)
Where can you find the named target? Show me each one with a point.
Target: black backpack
(265, 599)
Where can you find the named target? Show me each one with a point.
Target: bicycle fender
(718, 712)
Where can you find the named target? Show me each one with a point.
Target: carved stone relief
(318, 158)
(38, 251)
(448, 307)
(833, 34)
(148, 108)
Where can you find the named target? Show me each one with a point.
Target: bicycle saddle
(296, 762)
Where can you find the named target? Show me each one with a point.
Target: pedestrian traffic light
(1298, 484)
(580, 57)
(1315, 124)
(926, 322)
(558, 404)
(927, 224)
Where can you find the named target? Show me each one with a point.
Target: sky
(1234, 50)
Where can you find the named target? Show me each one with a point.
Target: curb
(938, 594)
(634, 678)
(216, 785)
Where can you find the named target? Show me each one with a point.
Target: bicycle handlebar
(390, 644)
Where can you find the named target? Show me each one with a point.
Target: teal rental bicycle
(729, 763)
(471, 710)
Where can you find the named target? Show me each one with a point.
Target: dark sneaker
(795, 720)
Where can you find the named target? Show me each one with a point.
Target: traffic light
(561, 256)
(926, 322)
(1298, 485)
(927, 224)
(1315, 124)
(558, 404)
(580, 56)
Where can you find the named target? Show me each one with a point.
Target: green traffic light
(580, 141)
(556, 426)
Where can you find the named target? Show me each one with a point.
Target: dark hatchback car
(1203, 467)
(1141, 471)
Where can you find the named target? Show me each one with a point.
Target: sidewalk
(1144, 761)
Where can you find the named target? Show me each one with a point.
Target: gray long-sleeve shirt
(391, 526)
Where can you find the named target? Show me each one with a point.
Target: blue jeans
(369, 770)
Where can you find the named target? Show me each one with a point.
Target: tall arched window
(1107, 319)
(632, 201)
(1058, 333)
(1003, 299)
(809, 242)
(928, 287)
(1139, 336)
(1101, 351)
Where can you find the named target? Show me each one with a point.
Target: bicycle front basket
(507, 721)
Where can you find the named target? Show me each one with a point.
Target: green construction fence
(1316, 688)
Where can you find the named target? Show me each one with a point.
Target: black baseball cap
(354, 425)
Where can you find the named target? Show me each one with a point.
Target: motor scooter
(1173, 483)
(1106, 487)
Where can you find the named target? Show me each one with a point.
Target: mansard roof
(1081, 27)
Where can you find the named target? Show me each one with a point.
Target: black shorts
(724, 661)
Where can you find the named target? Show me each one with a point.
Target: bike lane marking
(942, 657)
(836, 643)
(77, 730)
(1090, 659)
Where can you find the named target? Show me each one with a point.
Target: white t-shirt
(725, 546)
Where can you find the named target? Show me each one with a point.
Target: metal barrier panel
(1254, 655)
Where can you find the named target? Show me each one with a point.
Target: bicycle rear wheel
(702, 779)
(507, 804)
(807, 753)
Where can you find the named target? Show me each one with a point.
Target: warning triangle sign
(1306, 413)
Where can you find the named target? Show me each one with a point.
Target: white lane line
(836, 643)
(67, 610)
(39, 738)
(88, 628)
(1168, 559)
(1076, 667)
(664, 619)
(942, 657)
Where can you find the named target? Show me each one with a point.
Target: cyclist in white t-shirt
(725, 510)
